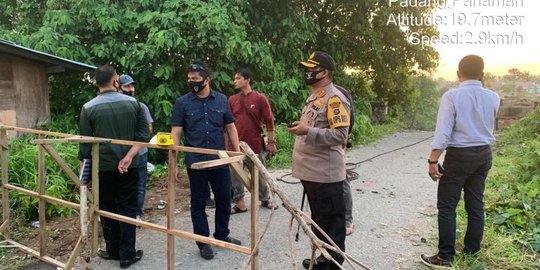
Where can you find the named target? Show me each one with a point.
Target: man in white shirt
(465, 124)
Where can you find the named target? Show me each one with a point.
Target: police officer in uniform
(319, 152)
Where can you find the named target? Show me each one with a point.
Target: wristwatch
(432, 162)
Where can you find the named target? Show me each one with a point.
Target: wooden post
(170, 208)
(42, 202)
(4, 151)
(95, 203)
(254, 215)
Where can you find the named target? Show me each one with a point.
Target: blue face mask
(196, 87)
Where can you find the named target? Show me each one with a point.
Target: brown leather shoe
(436, 262)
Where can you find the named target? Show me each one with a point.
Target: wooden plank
(170, 207)
(237, 169)
(5, 194)
(35, 131)
(42, 203)
(34, 253)
(63, 165)
(95, 202)
(121, 142)
(216, 162)
(254, 215)
(175, 232)
(45, 197)
(74, 254)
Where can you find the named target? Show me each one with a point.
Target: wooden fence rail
(88, 205)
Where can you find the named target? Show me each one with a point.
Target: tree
(155, 41)
(358, 35)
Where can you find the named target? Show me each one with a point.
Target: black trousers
(118, 194)
(464, 169)
(328, 211)
(220, 181)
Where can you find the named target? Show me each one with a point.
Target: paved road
(394, 209)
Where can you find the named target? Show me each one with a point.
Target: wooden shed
(24, 91)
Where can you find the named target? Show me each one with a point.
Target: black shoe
(231, 240)
(107, 255)
(435, 261)
(136, 258)
(320, 264)
(210, 203)
(206, 252)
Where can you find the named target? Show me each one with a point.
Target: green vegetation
(23, 172)
(512, 201)
(156, 40)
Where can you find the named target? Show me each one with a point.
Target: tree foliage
(154, 41)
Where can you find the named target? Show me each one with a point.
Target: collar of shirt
(470, 83)
(108, 91)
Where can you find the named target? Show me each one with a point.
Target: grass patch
(512, 203)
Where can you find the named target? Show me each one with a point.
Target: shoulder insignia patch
(337, 114)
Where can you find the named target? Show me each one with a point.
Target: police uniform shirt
(319, 156)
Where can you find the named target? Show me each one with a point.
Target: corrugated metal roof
(11, 48)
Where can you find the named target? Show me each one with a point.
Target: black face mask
(195, 87)
(310, 77)
(129, 93)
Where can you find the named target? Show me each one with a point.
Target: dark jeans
(464, 169)
(143, 176)
(328, 211)
(118, 194)
(220, 182)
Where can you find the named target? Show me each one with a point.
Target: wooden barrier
(89, 200)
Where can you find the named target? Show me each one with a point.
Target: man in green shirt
(115, 116)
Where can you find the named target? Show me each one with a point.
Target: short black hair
(104, 75)
(471, 66)
(246, 73)
(201, 68)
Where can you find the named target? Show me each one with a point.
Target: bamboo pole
(4, 151)
(171, 178)
(42, 202)
(302, 219)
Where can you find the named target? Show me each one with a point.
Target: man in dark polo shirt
(203, 115)
(251, 109)
(116, 116)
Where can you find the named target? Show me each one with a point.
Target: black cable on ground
(351, 174)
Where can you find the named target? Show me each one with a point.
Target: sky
(506, 33)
